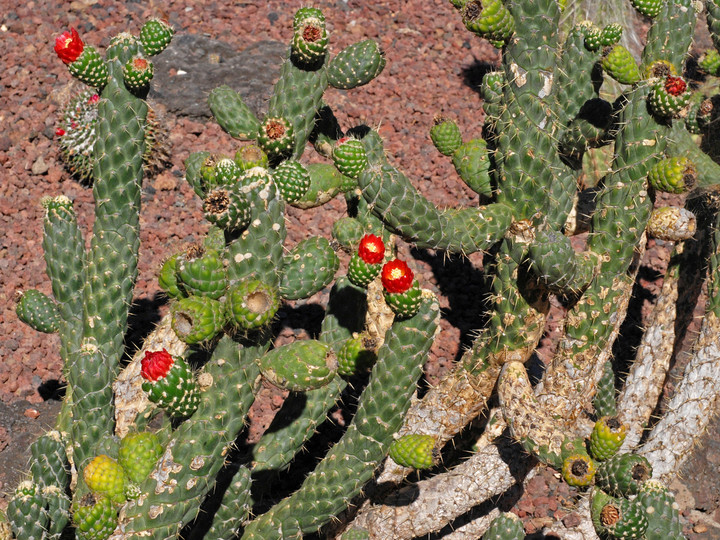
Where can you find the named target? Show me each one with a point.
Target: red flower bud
(156, 365)
(675, 85)
(396, 276)
(69, 46)
(371, 249)
(93, 99)
(59, 132)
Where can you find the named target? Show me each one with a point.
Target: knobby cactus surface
(152, 446)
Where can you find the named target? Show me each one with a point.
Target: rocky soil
(434, 67)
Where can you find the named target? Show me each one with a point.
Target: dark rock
(193, 65)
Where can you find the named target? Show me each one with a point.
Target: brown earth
(434, 67)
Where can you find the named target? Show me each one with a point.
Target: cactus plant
(199, 372)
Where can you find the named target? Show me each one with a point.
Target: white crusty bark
(647, 375)
(691, 407)
(417, 510)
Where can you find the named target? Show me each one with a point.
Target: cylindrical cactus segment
(507, 526)
(58, 511)
(167, 277)
(232, 114)
(308, 268)
(415, 450)
(105, 476)
(138, 453)
(619, 64)
(26, 513)
(292, 179)
(252, 303)
(623, 474)
(489, 19)
(300, 366)
(201, 272)
(38, 311)
(617, 518)
(673, 175)
(605, 401)
(472, 163)
(155, 36)
(662, 512)
(342, 474)
(49, 464)
(445, 135)
(356, 65)
(556, 264)
(399, 205)
(607, 437)
(197, 319)
(94, 517)
(310, 38)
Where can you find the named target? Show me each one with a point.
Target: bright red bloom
(371, 249)
(675, 85)
(59, 132)
(156, 365)
(93, 99)
(69, 46)
(396, 276)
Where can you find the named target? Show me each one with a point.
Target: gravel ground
(433, 67)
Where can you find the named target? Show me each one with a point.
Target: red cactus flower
(59, 132)
(371, 249)
(396, 276)
(93, 99)
(140, 64)
(69, 46)
(156, 365)
(675, 85)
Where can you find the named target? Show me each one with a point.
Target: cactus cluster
(153, 447)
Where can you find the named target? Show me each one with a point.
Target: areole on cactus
(184, 400)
